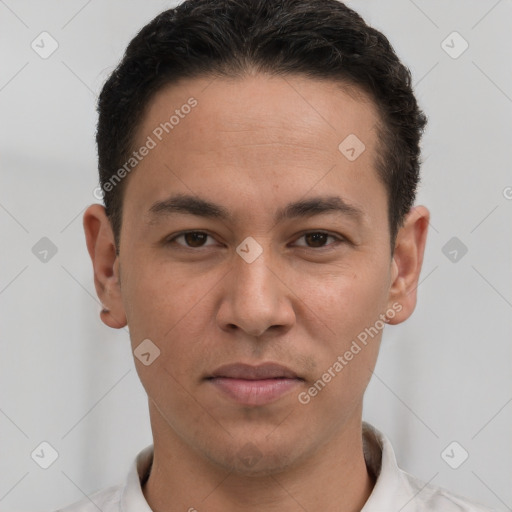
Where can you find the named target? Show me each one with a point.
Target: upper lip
(248, 372)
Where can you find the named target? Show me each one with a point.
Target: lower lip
(254, 392)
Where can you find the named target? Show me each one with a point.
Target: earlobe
(407, 262)
(101, 247)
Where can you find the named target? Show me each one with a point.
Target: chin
(250, 459)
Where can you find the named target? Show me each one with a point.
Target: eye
(318, 239)
(192, 239)
(198, 239)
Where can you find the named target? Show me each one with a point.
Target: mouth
(254, 385)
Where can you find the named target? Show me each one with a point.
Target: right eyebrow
(193, 205)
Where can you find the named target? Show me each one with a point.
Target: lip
(248, 372)
(254, 385)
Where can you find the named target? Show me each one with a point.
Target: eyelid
(338, 239)
(172, 239)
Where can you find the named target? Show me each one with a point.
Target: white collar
(394, 490)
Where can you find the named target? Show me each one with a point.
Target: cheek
(159, 296)
(182, 334)
(174, 310)
(348, 303)
(346, 300)
(347, 354)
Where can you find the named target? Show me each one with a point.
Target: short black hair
(322, 39)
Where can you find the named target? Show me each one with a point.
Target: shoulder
(430, 497)
(120, 497)
(106, 500)
(396, 489)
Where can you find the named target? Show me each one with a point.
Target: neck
(334, 478)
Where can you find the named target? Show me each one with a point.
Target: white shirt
(394, 490)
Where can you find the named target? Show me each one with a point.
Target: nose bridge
(255, 299)
(254, 283)
(254, 276)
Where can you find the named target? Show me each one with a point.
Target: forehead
(273, 134)
(291, 108)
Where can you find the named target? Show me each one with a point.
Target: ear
(101, 246)
(407, 262)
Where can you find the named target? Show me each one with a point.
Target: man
(259, 162)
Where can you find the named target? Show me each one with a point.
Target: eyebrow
(194, 205)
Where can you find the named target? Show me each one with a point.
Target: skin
(253, 145)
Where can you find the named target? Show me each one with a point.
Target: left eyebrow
(318, 206)
(194, 205)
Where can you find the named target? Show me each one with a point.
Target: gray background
(443, 376)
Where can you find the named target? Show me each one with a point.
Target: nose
(256, 298)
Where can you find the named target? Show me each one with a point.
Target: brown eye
(191, 240)
(316, 239)
(195, 239)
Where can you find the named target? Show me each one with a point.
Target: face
(255, 257)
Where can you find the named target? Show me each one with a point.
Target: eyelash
(338, 239)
